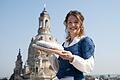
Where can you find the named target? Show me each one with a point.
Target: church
(37, 66)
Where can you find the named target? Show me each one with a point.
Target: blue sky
(19, 23)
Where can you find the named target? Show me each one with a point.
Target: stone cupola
(44, 23)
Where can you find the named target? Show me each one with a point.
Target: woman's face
(73, 25)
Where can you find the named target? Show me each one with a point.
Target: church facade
(37, 66)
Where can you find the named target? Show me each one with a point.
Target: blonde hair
(80, 18)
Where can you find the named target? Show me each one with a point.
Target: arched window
(41, 38)
(46, 23)
(36, 69)
(50, 38)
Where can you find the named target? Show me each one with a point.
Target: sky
(19, 23)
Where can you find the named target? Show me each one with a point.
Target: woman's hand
(67, 55)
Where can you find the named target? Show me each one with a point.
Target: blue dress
(85, 49)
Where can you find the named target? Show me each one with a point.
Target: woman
(79, 57)
(78, 54)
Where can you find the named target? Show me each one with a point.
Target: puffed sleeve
(87, 47)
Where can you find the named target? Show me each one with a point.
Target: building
(18, 70)
(37, 66)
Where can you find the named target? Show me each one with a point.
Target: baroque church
(37, 66)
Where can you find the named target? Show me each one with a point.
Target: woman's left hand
(67, 55)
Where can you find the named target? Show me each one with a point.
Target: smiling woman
(79, 49)
(74, 25)
(77, 55)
